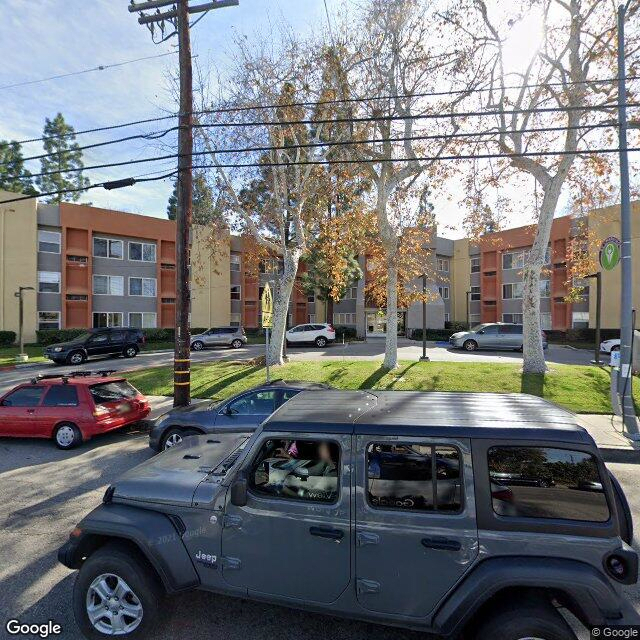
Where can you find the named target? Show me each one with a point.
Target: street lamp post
(22, 356)
(598, 278)
(468, 294)
(424, 357)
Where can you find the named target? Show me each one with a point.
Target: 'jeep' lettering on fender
(206, 558)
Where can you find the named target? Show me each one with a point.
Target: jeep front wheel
(541, 621)
(116, 594)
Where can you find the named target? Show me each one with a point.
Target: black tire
(175, 435)
(321, 342)
(198, 345)
(236, 344)
(67, 436)
(130, 351)
(538, 620)
(118, 560)
(77, 357)
(470, 345)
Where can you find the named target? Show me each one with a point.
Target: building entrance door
(377, 323)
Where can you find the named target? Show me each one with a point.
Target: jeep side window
(297, 469)
(542, 482)
(414, 477)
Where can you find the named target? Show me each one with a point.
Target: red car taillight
(330, 329)
(101, 411)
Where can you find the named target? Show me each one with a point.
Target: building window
(48, 282)
(311, 299)
(545, 288)
(312, 317)
(107, 248)
(78, 259)
(107, 319)
(443, 265)
(513, 260)
(475, 293)
(108, 285)
(168, 300)
(351, 293)
(512, 318)
(512, 291)
(235, 262)
(142, 252)
(236, 291)
(236, 319)
(77, 297)
(343, 318)
(580, 320)
(545, 321)
(145, 287)
(475, 265)
(48, 320)
(446, 317)
(444, 292)
(140, 320)
(474, 318)
(49, 241)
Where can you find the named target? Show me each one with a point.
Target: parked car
(318, 334)
(71, 408)
(234, 337)
(113, 341)
(607, 346)
(240, 413)
(295, 514)
(492, 335)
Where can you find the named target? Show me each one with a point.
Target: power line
(227, 110)
(101, 67)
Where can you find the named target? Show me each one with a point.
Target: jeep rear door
(415, 537)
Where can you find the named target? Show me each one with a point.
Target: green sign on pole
(610, 253)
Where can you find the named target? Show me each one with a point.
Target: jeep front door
(292, 538)
(415, 521)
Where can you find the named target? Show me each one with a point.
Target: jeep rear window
(542, 482)
(112, 391)
(401, 476)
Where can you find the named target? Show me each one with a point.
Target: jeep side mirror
(239, 492)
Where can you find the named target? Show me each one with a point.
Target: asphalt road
(373, 349)
(45, 492)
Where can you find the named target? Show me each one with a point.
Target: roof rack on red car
(102, 373)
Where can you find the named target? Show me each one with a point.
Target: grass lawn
(578, 388)
(8, 354)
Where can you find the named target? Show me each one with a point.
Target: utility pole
(22, 357)
(626, 303)
(178, 17)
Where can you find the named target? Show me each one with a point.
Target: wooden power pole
(178, 17)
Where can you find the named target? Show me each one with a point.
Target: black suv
(120, 341)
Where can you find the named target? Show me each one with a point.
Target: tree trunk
(533, 354)
(391, 342)
(282, 288)
(329, 310)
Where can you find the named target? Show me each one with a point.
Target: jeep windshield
(112, 391)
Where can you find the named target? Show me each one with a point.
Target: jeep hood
(173, 476)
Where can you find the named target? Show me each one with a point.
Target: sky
(51, 37)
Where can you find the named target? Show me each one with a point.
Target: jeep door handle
(324, 532)
(442, 544)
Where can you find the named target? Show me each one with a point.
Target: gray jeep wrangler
(464, 515)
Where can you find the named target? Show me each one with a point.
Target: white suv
(318, 334)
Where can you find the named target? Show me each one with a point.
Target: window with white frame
(475, 265)
(311, 298)
(513, 260)
(344, 318)
(49, 241)
(512, 318)
(512, 291)
(545, 320)
(474, 318)
(545, 288)
(446, 317)
(102, 319)
(351, 293)
(235, 319)
(475, 293)
(312, 318)
(443, 265)
(236, 292)
(580, 320)
(142, 320)
(108, 285)
(235, 262)
(142, 251)
(48, 320)
(145, 287)
(444, 292)
(108, 248)
(48, 282)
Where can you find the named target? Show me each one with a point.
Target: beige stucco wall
(210, 280)
(460, 279)
(606, 222)
(18, 263)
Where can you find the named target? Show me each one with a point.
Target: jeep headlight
(57, 348)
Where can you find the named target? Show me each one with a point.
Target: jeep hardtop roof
(467, 415)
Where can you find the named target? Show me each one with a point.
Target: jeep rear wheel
(116, 594)
(76, 357)
(535, 622)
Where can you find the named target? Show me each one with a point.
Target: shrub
(456, 326)
(7, 338)
(349, 333)
(431, 334)
(51, 336)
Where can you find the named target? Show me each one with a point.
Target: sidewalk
(607, 431)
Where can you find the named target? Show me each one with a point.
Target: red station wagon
(70, 408)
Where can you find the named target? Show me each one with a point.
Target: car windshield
(112, 391)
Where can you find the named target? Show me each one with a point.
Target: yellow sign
(267, 307)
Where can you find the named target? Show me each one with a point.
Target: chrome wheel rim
(131, 352)
(236, 344)
(112, 606)
(173, 440)
(76, 358)
(64, 436)
(322, 342)
(197, 346)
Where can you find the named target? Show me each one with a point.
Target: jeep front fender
(587, 589)
(153, 533)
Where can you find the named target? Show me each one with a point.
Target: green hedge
(7, 338)
(349, 333)
(431, 334)
(51, 336)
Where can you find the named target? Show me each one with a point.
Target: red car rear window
(112, 391)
